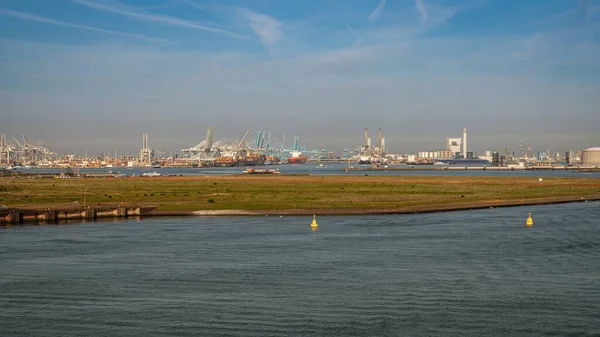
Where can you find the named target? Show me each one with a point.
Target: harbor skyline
(94, 75)
(287, 143)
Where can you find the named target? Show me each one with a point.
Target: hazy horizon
(95, 74)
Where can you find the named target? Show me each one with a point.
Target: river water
(328, 169)
(467, 273)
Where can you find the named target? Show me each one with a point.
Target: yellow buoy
(314, 222)
(529, 221)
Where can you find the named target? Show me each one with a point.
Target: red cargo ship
(297, 158)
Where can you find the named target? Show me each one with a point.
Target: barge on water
(260, 171)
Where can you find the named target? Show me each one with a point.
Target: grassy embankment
(321, 193)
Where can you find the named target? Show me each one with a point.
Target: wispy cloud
(422, 10)
(266, 27)
(193, 4)
(377, 11)
(33, 17)
(358, 37)
(157, 18)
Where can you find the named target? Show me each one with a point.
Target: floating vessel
(272, 160)
(441, 165)
(364, 160)
(463, 161)
(297, 158)
(241, 160)
(151, 174)
(260, 171)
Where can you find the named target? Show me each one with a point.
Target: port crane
(205, 151)
(238, 147)
(6, 150)
(241, 145)
(265, 145)
(31, 153)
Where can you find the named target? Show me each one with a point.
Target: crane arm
(241, 144)
(19, 144)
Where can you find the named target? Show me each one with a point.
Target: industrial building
(370, 153)
(437, 154)
(591, 156)
(458, 146)
(454, 145)
(496, 159)
(569, 158)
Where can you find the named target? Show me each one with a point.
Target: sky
(95, 74)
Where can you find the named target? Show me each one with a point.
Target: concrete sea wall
(19, 216)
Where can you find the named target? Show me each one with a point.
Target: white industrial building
(454, 145)
(591, 156)
(458, 145)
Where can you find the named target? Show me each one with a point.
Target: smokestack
(465, 143)
(145, 141)
(379, 139)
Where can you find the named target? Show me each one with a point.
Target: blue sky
(96, 74)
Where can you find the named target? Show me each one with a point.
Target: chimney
(465, 143)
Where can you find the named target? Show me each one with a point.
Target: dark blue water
(473, 273)
(329, 169)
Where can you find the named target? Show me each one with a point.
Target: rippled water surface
(476, 273)
(329, 169)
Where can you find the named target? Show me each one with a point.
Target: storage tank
(591, 156)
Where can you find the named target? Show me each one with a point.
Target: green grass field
(286, 192)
